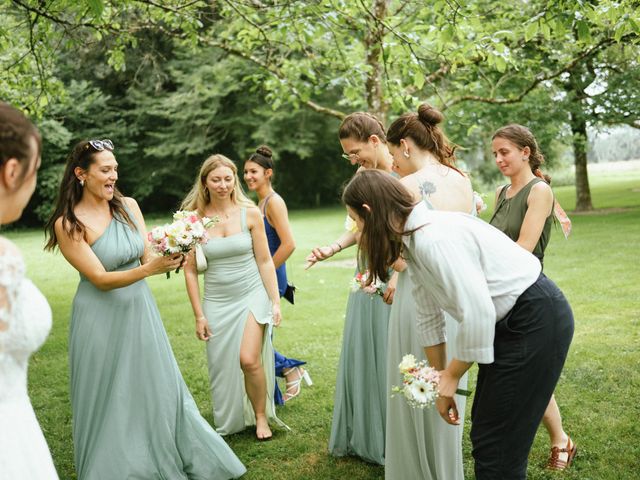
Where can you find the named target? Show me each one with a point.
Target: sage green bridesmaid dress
(233, 290)
(133, 416)
(360, 402)
(420, 444)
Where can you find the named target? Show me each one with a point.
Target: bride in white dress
(25, 316)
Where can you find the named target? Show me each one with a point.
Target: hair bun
(429, 115)
(264, 151)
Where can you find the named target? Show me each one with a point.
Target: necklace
(220, 214)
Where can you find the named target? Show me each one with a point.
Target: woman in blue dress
(133, 416)
(258, 172)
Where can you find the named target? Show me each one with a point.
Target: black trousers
(512, 393)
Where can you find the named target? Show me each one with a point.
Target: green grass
(597, 268)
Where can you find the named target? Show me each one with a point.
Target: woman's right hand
(202, 328)
(318, 254)
(162, 264)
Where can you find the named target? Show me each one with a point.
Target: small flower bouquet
(420, 383)
(181, 236)
(359, 282)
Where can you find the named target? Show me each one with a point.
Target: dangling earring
(81, 183)
(406, 154)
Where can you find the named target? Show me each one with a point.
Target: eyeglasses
(101, 145)
(351, 156)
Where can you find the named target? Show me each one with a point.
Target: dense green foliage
(596, 393)
(174, 81)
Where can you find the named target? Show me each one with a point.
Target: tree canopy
(177, 80)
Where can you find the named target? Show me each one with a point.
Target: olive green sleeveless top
(509, 213)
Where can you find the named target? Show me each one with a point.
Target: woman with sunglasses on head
(419, 445)
(240, 303)
(360, 401)
(524, 212)
(258, 172)
(133, 416)
(514, 322)
(25, 316)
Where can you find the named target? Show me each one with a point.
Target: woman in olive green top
(524, 210)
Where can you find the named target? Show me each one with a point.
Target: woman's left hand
(277, 315)
(387, 296)
(445, 403)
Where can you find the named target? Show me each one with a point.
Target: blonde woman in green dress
(241, 302)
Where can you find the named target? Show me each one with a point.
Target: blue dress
(281, 362)
(133, 416)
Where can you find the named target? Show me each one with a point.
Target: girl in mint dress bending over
(241, 303)
(133, 416)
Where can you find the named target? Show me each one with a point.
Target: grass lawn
(597, 268)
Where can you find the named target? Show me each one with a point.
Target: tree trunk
(583, 192)
(373, 48)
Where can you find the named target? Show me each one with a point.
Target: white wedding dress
(25, 321)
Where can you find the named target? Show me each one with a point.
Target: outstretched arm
(79, 254)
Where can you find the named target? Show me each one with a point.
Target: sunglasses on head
(101, 145)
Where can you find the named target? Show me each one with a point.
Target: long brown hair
(422, 127)
(390, 204)
(198, 197)
(360, 126)
(15, 132)
(522, 137)
(70, 192)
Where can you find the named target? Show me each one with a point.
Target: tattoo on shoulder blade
(427, 188)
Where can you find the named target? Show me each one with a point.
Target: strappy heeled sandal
(294, 387)
(555, 463)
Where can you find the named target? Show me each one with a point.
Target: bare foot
(263, 432)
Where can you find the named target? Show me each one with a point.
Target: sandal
(294, 387)
(555, 463)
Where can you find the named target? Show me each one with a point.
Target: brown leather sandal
(555, 463)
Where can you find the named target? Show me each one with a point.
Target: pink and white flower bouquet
(359, 282)
(420, 383)
(182, 235)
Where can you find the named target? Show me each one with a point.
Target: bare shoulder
(132, 204)
(62, 226)
(540, 193)
(253, 214)
(541, 190)
(276, 202)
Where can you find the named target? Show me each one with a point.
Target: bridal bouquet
(182, 235)
(420, 382)
(359, 282)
